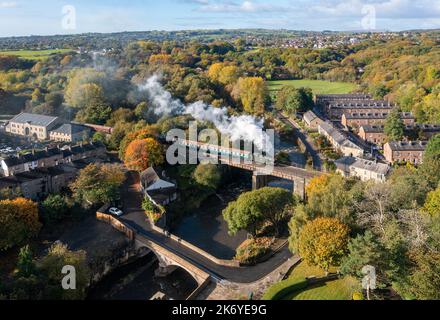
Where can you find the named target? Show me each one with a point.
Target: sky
(48, 17)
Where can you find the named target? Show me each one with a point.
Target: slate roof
(359, 163)
(150, 177)
(376, 115)
(424, 127)
(309, 116)
(33, 119)
(70, 129)
(44, 154)
(372, 128)
(408, 146)
(337, 136)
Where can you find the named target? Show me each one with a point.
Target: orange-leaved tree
(18, 222)
(147, 132)
(143, 153)
(323, 242)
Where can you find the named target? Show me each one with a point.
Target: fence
(115, 224)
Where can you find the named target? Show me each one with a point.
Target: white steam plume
(244, 127)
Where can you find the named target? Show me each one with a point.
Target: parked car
(115, 211)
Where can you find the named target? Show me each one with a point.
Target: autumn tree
(394, 127)
(214, 71)
(98, 184)
(160, 58)
(252, 93)
(143, 153)
(18, 222)
(432, 204)
(323, 242)
(330, 196)
(132, 135)
(84, 86)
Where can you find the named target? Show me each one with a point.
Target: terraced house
(48, 158)
(403, 151)
(357, 119)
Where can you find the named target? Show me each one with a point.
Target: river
(136, 281)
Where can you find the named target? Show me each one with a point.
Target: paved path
(226, 290)
(306, 140)
(135, 218)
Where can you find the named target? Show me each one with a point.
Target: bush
(253, 249)
(152, 211)
(284, 288)
(358, 296)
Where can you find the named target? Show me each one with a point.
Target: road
(306, 140)
(135, 218)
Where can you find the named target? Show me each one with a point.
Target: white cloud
(243, 7)
(5, 4)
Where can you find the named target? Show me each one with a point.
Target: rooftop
(375, 115)
(33, 119)
(359, 163)
(408, 145)
(309, 116)
(70, 129)
(337, 136)
(372, 128)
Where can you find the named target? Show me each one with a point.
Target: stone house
(35, 126)
(363, 169)
(339, 141)
(405, 151)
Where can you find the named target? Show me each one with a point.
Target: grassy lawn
(341, 289)
(296, 287)
(318, 86)
(33, 54)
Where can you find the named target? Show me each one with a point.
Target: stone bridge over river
(173, 252)
(261, 172)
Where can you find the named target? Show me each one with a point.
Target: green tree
(433, 148)
(95, 113)
(425, 280)
(51, 265)
(394, 127)
(379, 91)
(208, 175)
(25, 263)
(363, 250)
(54, 208)
(98, 184)
(296, 223)
(293, 100)
(253, 209)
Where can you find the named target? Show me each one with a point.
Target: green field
(34, 54)
(340, 289)
(318, 86)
